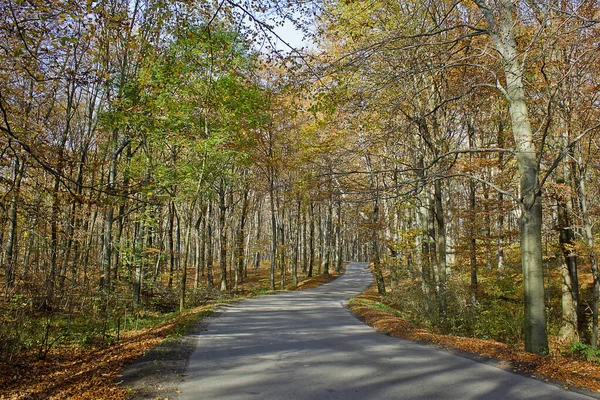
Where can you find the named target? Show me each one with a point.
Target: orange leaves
(571, 371)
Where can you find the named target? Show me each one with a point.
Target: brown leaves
(568, 370)
(92, 373)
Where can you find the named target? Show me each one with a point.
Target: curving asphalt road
(306, 345)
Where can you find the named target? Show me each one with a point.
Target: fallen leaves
(92, 372)
(570, 371)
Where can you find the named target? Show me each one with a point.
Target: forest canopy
(157, 151)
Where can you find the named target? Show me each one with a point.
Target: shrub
(589, 353)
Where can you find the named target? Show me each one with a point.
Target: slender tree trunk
(329, 236)
(183, 286)
(200, 238)
(473, 241)
(241, 235)
(311, 241)
(340, 242)
(304, 245)
(223, 238)
(570, 297)
(209, 247)
(589, 236)
(171, 242)
(273, 233)
(432, 236)
(282, 247)
(257, 255)
(298, 232)
(375, 245)
(10, 250)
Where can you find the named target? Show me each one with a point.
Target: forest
(157, 153)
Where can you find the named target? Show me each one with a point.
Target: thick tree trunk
(502, 31)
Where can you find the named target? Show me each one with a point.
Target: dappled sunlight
(308, 346)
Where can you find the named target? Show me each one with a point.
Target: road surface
(307, 345)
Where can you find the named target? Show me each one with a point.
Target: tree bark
(10, 250)
(223, 238)
(589, 236)
(502, 31)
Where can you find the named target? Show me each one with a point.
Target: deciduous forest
(157, 154)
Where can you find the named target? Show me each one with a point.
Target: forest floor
(94, 372)
(568, 372)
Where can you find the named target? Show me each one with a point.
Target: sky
(292, 36)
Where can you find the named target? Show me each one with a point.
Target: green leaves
(189, 109)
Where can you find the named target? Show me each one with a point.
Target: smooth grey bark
(568, 265)
(184, 266)
(440, 243)
(375, 231)
(376, 251)
(472, 210)
(199, 260)
(297, 237)
(282, 251)
(589, 236)
(340, 241)
(311, 239)
(500, 222)
(223, 238)
(502, 27)
(422, 242)
(139, 261)
(209, 247)
(304, 245)
(328, 237)
(171, 242)
(273, 233)
(257, 254)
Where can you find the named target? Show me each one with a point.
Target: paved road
(306, 345)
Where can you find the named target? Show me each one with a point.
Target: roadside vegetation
(154, 154)
(492, 330)
(90, 369)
